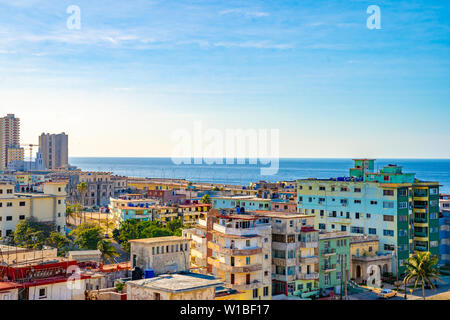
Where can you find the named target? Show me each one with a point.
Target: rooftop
(176, 283)
(159, 240)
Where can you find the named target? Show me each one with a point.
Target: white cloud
(244, 12)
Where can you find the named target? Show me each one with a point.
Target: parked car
(387, 293)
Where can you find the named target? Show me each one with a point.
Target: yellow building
(48, 205)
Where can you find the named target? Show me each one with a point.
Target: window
(8, 218)
(403, 218)
(433, 243)
(388, 204)
(247, 243)
(247, 260)
(22, 217)
(402, 233)
(354, 229)
(357, 201)
(403, 205)
(156, 296)
(310, 187)
(373, 202)
(255, 293)
(322, 226)
(321, 188)
(153, 250)
(388, 192)
(22, 203)
(357, 190)
(388, 218)
(321, 213)
(433, 191)
(344, 189)
(356, 215)
(368, 215)
(372, 231)
(42, 293)
(9, 204)
(266, 291)
(389, 247)
(343, 228)
(402, 192)
(389, 233)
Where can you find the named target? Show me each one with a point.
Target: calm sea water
(243, 174)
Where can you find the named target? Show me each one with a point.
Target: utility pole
(342, 274)
(345, 271)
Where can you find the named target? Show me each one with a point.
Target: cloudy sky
(138, 70)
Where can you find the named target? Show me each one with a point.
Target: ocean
(243, 174)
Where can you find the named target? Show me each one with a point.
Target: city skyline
(136, 71)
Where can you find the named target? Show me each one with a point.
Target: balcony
(422, 234)
(283, 277)
(234, 269)
(420, 220)
(420, 248)
(309, 276)
(234, 251)
(247, 286)
(308, 260)
(328, 268)
(328, 252)
(309, 244)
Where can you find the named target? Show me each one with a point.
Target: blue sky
(136, 70)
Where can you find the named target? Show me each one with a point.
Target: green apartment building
(395, 206)
(334, 260)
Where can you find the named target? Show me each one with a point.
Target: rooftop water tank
(149, 273)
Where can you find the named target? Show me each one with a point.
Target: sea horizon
(431, 169)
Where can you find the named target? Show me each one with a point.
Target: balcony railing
(328, 251)
(420, 248)
(328, 268)
(420, 220)
(309, 244)
(247, 286)
(308, 260)
(309, 276)
(420, 234)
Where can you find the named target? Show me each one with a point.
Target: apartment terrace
(234, 269)
(234, 251)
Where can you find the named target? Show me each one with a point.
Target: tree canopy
(134, 229)
(87, 236)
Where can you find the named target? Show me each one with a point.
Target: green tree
(421, 268)
(175, 226)
(32, 234)
(59, 241)
(107, 249)
(70, 213)
(87, 236)
(206, 199)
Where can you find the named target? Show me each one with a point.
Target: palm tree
(107, 249)
(206, 199)
(421, 268)
(81, 188)
(69, 213)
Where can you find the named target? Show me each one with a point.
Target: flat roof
(176, 283)
(281, 214)
(159, 239)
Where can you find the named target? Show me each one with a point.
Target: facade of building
(47, 205)
(239, 252)
(100, 188)
(444, 229)
(364, 254)
(10, 149)
(334, 260)
(248, 203)
(162, 254)
(396, 207)
(295, 261)
(131, 206)
(55, 150)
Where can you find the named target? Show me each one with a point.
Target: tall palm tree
(206, 199)
(107, 249)
(81, 188)
(69, 213)
(421, 268)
